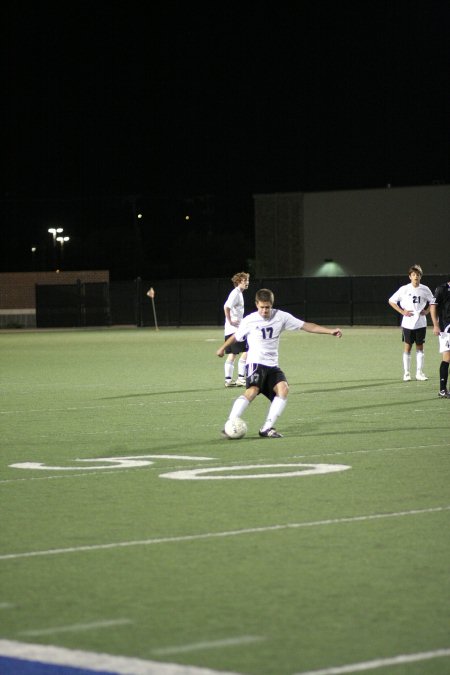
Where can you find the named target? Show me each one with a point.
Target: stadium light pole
(54, 231)
(62, 241)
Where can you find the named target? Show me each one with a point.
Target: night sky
(172, 109)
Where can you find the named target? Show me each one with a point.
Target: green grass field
(112, 542)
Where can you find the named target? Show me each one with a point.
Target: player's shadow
(374, 406)
(145, 394)
(337, 387)
(304, 431)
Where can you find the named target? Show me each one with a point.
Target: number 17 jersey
(263, 335)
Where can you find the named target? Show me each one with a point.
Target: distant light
(187, 217)
(330, 268)
(139, 215)
(33, 249)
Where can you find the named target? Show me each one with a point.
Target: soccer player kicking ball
(262, 330)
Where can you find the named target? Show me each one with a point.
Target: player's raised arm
(316, 328)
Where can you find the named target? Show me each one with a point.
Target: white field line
(75, 658)
(212, 644)
(379, 663)
(221, 535)
(77, 627)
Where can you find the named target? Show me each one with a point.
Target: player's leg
(443, 375)
(228, 366)
(241, 404)
(420, 358)
(444, 350)
(229, 370)
(420, 354)
(242, 363)
(278, 397)
(406, 338)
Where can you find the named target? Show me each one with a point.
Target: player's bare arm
(229, 319)
(400, 310)
(435, 320)
(221, 351)
(310, 327)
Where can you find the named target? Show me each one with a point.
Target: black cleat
(444, 393)
(270, 433)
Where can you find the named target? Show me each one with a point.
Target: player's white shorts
(444, 340)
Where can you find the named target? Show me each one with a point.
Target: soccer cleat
(230, 383)
(421, 376)
(406, 377)
(444, 393)
(270, 433)
(240, 382)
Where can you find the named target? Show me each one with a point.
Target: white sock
(239, 407)
(406, 361)
(420, 356)
(241, 367)
(276, 408)
(229, 370)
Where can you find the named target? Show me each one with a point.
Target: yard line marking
(92, 661)
(77, 627)
(108, 470)
(220, 535)
(379, 663)
(212, 644)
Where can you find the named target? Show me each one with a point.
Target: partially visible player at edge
(234, 312)
(412, 301)
(263, 329)
(440, 315)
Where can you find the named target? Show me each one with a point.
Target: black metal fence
(199, 302)
(72, 305)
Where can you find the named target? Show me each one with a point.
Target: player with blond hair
(234, 313)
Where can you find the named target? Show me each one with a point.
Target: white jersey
(235, 303)
(413, 299)
(263, 335)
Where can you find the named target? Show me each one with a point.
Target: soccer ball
(235, 428)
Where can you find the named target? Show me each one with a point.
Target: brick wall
(17, 289)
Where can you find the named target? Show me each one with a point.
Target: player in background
(440, 315)
(234, 313)
(412, 301)
(262, 330)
